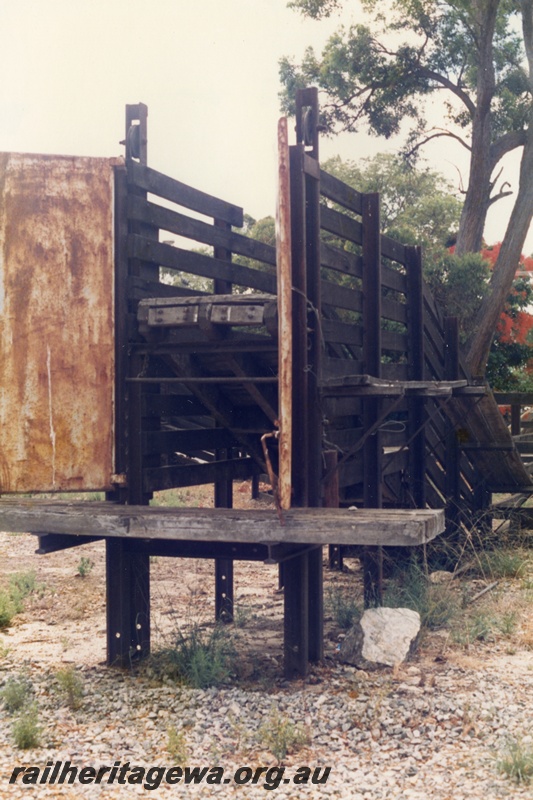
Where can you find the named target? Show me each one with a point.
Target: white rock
(382, 637)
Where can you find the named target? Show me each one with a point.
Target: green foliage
(517, 761)
(177, 746)
(281, 736)
(343, 607)
(502, 563)
(263, 230)
(458, 285)
(85, 566)
(8, 609)
(437, 604)
(21, 584)
(16, 693)
(417, 204)
(479, 627)
(26, 729)
(505, 367)
(202, 658)
(71, 685)
(508, 358)
(381, 73)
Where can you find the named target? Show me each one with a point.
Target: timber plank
(341, 260)
(341, 225)
(394, 279)
(182, 225)
(397, 527)
(177, 192)
(338, 191)
(342, 332)
(341, 296)
(196, 263)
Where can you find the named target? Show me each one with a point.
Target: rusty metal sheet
(56, 323)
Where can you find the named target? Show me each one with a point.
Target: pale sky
(207, 69)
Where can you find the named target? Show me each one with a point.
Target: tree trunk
(513, 242)
(505, 267)
(477, 199)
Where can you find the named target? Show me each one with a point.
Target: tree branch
(509, 141)
(454, 88)
(501, 194)
(449, 134)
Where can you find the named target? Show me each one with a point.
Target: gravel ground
(387, 736)
(433, 728)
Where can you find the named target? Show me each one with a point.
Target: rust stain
(284, 278)
(56, 323)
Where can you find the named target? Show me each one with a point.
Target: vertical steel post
(224, 594)
(128, 572)
(372, 450)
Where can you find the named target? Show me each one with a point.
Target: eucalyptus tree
(470, 59)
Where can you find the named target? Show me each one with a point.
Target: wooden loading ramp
(309, 526)
(255, 535)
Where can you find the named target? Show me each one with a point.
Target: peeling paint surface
(56, 323)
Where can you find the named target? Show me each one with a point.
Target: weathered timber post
(417, 405)
(452, 453)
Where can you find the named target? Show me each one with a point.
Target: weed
(71, 685)
(238, 733)
(344, 609)
(21, 584)
(517, 762)
(242, 616)
(26, 729)
(16, 693)
(508, 623)
(171, 498)
(177, 746)
(85, 566)
(437, 604)
(201, 659)
(502, 563)
(8, 609)
(281, 736)
(478, 628)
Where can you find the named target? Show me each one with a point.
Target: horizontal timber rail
(398, 527)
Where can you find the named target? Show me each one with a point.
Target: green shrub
(26, 729)
(85, 566)
(71, 685)
(177, 746)
(517, 762)
(202, 658)
(21, 584)
(8, 609)
(281, 736)
(343, 607)
(437, 604)
(501, 563)
(16, 693)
